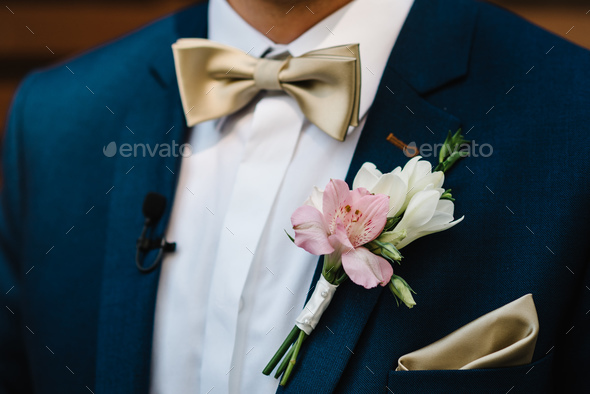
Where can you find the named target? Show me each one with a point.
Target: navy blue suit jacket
(78, 316)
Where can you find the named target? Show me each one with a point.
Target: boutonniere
(360, 232)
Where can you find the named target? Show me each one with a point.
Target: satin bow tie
(216, 80)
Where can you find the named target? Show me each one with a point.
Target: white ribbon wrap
(314, 308)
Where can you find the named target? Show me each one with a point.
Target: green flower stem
(451, 151)
(282, 350)
(341, 279)
(297, 346)
(284, 363)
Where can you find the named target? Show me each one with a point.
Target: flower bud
(385, 249)
(392, 237)
(390, 252)
(402, 291)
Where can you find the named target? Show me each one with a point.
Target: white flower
(400, 184)
(391, 184)
(415, 193)
(315, 199)
(426, 214)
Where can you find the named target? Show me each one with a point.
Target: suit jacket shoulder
(97, 86)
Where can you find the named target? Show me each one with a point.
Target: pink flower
(338, 225)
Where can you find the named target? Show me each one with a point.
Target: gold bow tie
(216, 80)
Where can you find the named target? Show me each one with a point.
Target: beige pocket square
(505, 337)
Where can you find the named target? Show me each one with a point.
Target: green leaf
(391, 223)
(290, 237)
(445, 149)
(451, 151)
(447, 195)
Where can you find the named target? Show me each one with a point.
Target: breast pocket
(531, 378)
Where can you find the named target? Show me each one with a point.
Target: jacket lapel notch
(434, 44)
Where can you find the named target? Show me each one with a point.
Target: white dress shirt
(230, 293)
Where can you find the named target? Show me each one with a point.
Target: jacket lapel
(431, 51)
(154, 117)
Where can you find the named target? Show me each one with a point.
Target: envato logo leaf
(110, 150)
(411, 149)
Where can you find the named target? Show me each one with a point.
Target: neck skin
(283, 21)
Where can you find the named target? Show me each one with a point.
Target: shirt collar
(227, 27)
(373, 24)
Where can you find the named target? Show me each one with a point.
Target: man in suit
(80, 316)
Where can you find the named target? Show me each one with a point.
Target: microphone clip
(153, 209)
(146, 245)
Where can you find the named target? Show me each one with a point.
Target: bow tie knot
(216, 80)
(266, 73)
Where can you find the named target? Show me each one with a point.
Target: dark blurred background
(36, 33)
